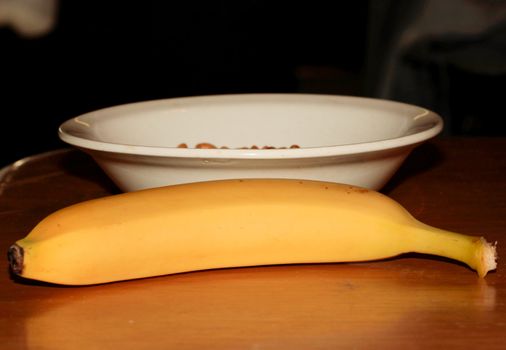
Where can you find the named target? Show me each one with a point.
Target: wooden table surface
(409, 302)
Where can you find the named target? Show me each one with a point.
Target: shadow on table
(421, 159)
(81, 166)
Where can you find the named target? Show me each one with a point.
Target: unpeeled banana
(229, 223)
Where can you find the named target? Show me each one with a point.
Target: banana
(229, 223)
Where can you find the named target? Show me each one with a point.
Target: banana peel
(230, 223)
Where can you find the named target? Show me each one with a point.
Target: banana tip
(16, 255)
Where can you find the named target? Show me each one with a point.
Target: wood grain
(409, 302)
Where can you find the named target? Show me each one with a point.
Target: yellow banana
(229, 223)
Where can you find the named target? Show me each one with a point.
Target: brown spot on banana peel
(16, 259)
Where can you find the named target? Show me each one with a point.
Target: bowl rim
(433, 129)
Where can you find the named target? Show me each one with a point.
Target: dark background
(103, 53)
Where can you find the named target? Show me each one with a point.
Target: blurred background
(59, 59)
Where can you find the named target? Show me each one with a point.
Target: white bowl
(352, 140)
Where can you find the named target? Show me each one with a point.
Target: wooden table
(410, 302)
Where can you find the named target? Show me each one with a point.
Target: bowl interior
(244, 120)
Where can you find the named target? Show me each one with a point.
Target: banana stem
(474, 251)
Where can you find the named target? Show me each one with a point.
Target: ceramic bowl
(358, 141)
